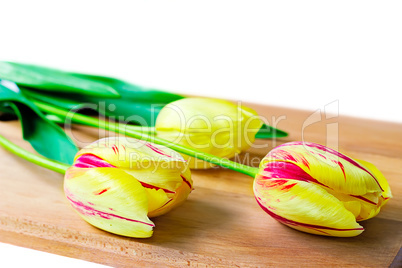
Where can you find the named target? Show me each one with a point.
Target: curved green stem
(36, 159)
(129, 131)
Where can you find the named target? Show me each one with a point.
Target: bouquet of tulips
(118, 183)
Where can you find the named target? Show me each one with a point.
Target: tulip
(117, 184)
(212, 126)
(318, 190)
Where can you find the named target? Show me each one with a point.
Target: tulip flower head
(116, 184)
(315, 189)
(212, 126)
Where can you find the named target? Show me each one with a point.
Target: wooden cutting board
(220, 225)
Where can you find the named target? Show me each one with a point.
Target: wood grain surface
(220, 225)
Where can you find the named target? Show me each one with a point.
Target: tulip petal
(138, 158)
(178, 198)
(156, 199)
(380, 178)
(362, 207)
(329, 167)
(131, 153)
(168, 179)
(109, 199)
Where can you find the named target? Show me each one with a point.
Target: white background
(302, 54)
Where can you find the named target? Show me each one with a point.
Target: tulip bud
(116, 184)
(318, 190)
(211, 126)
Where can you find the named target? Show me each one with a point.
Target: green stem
(56, 119)
(36, 159)
(138, 134)
(147, 130)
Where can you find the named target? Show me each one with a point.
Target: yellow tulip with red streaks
(117, 184)
(212, 126)
(318, 190)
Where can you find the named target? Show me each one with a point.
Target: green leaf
(137, 105)
(132, 91)
(48, 79)
(128, 109)
(45, 136)
(65, 101)
(267, 132)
